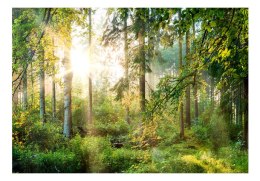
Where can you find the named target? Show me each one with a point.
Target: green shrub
(96, 148)
(108, 111)
(120, 160)
(114, 129)
(90, 151)
(201, 132)
(47, 136)
(237, 158)
(178, 165)
(28, 161)
(218, 131)
(29, 130)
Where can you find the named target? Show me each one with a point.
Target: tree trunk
(240, 112)
(67, 125)
(195, 88)
(90, 101)
(127, 117)
(196, 106)
(90, 119)
(42, 91)
(32, 90)
(142, 68)
(53, 95)
(245, 135)
(15, 98)
(25, 98)
(212, 90)
(188, 121)
(180, 70)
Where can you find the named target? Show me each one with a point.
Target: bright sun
(79, 62)
(82, 67)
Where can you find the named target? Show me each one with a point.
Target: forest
(130, 90)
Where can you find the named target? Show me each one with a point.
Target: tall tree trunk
(240, 106)
(53, 95)
(90, 118)
(180, 70)
(142, 68)
(53, 86)
(188, 121)
(15, 97)
(32, 90)
(127, 117)
(25, 98)
(67, 125)
(245, 135)
(212, 84)
(195, 91)
(196, 106)
(42, 90)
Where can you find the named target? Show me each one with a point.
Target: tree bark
(180, 70)
(188, 121)
(67, 125)
(196, 106)
(127, 117)
(195, 88)
(25, 97)
(42, 90)
(212, 84)
(90, 118)
(32, 90)
(245, 135)
(53, 95)
(142, 67)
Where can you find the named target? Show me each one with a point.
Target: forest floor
(96, 154)
(114, 146)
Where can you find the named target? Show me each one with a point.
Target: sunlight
(79, 62)
(117, 71)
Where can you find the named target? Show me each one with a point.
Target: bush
(201, 132)
(47, 136)
(124, 160)
(29, 130)
(113, 129)
(90, 151)
(218, 131)
(28, 161)
(108, 111)
(237, 157)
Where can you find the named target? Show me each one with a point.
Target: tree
(125, 17)
(42, 87)
(90, 119)
(187, 94)
(25, 99)
(141, 40)
(53, 93)
(195, 86)
(67, 125)
(180, 69)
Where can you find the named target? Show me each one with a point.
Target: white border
(5, 86)
(129, 3)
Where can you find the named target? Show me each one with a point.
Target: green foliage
(201, 131)
(218, 131)
(90, 151)
(237, 158)
(119, 160)
(109, 118)
(28, 130)
(29, 161)
(116, 129)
